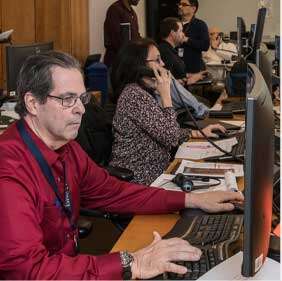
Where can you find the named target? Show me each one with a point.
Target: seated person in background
(219, 51)
(172, 36)
(178, 94)
(144, 130)
(38, 234)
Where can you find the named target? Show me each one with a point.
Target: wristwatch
(126, 262)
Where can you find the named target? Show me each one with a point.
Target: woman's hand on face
(163, 80)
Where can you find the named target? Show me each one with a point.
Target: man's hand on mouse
(213, 202)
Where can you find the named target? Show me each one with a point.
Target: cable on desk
(205, 136)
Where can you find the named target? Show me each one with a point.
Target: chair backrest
(95, 133)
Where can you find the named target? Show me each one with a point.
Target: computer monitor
(258, 172)
(264, 63)
(277, 47)
(257, 38)
(241, 33)
(16, 55)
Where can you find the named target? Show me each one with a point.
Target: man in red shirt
(45, 177)
(120, 12)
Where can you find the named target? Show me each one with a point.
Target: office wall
(97, 14)
(223, 13)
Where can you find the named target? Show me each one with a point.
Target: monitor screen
(264, 63)
(277, 48)
(258, 173)
(15, 56)
(257, 38)
(241, 33)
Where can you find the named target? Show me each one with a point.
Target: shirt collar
(169, 46)
(51, 156)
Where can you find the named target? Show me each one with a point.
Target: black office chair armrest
(120, 173)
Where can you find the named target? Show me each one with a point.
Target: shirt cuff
(175, 200)
(109, 266)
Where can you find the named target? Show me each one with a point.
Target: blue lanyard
(66, 205)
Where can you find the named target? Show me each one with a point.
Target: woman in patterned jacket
(144, 131)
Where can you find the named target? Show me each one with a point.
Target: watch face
(126, 259)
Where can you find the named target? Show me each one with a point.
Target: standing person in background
(198, 36)
(119, 12)
(172, 36)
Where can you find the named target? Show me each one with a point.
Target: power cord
(201, 131)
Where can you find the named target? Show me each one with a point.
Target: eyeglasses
(157, 60)
(184, 5)
(70, 100)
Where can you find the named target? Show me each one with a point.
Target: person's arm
(159, 256)
(203, 43)
(179, 94)
(99, 190)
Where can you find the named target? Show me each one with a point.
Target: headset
(185, 182)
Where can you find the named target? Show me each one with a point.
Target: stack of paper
(209, 169)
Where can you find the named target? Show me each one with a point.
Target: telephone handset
(147, 72)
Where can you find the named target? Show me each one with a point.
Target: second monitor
(15, 56)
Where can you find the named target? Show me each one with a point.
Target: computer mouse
(220, 134)
(238, 206)
(226, 134)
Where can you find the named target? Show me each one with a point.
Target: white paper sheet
(230, 269)
(201, 150)
(11, 114)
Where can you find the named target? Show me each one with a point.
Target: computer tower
(156, 11)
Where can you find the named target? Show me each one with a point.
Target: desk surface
(139, 232)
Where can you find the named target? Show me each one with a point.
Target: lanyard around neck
(66, 205)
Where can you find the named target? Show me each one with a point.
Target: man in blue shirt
(198, 36)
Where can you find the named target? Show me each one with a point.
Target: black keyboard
(235, 106)
(195, 269)
(213, 234)
(238, 150)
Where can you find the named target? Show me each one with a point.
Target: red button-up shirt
(36, 241)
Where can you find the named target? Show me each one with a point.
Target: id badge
(180, 52)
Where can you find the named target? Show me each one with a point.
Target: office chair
(95, 137)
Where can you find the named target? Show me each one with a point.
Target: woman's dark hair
(128, 66)
(36, 76)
